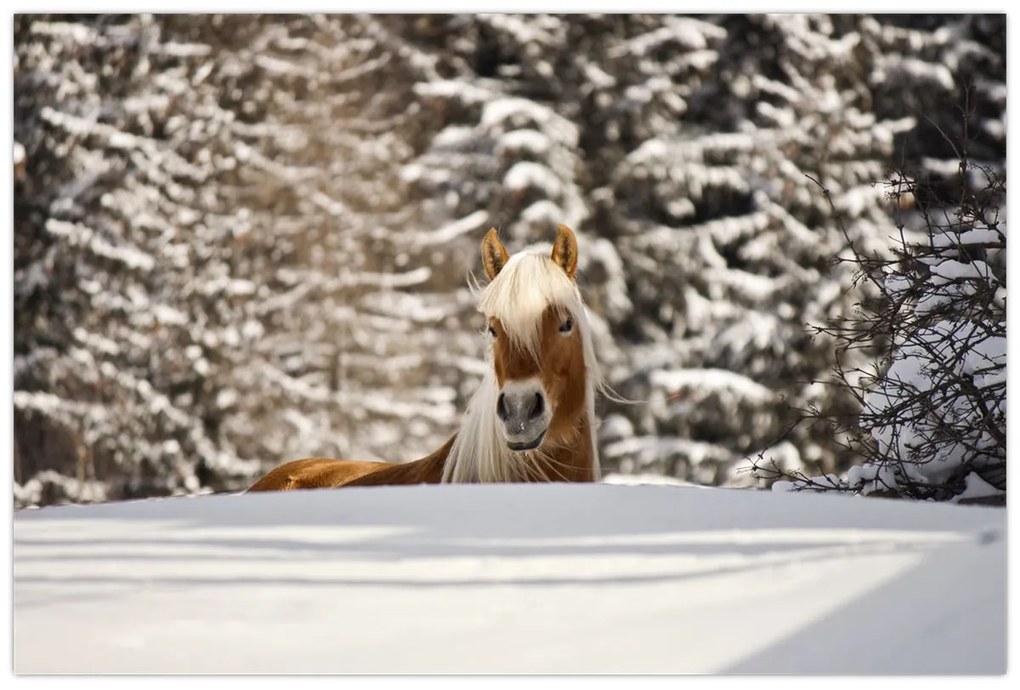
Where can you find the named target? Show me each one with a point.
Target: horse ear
(564, 251)
(494, 254)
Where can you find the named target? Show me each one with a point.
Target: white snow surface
(545, 578)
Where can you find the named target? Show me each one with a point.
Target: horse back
(321, 473)
(315, 473)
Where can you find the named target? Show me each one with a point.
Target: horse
(532, 418)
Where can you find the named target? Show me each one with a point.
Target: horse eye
(492, 331)
(566, 326)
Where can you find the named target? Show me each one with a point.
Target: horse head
(541, 352)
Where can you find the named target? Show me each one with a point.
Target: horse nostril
(538, 408)
(501, 407)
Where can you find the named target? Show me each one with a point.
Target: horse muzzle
(524, 412)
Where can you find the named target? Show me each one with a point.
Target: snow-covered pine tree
(241, 240)
(216, 262)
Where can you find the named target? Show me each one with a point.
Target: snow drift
(511, 579)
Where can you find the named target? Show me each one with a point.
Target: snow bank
(510, 579)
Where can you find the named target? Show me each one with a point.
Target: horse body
(533, 415)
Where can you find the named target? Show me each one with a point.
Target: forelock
(518, 296)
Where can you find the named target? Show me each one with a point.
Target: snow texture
(511, 579)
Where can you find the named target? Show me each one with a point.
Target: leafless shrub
(932, 407)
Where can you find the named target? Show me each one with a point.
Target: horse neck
(570, 460)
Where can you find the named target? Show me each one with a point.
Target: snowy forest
(246, 239)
